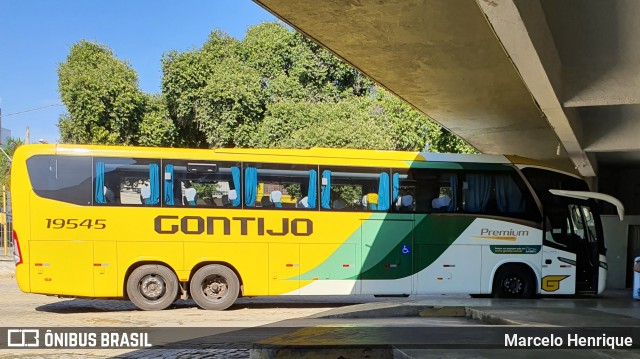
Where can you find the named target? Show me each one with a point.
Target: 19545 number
(75, 223)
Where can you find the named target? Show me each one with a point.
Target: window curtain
(154, 184)
(235, 173)
(250, 186)
(383, 192)
(100, 183)
(478, 192)
(326, 189)
(168, 185)
(396, 186)
(313, 184)
(454, 193)
(508, 195)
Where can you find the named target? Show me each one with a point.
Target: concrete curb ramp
(271, 349)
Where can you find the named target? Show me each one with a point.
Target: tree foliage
(5, 164)
(156, 128)
(274, 88)
(102, 96)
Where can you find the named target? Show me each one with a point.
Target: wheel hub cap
(512, 285)
(152, 287)
(215, 287)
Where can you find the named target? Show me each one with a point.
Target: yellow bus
(157, 224)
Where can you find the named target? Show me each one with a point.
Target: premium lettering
(507, 232)
(243, 226)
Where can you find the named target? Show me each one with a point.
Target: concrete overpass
(555, 80)
(547, 79)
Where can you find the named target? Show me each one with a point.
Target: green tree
(185, 79)
(342, 124)
(156, 128)
(381, 121)
(5, 164)
(315, 99)
(230, 107)
(274, 88)
(102, 96)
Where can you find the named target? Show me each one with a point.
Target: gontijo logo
(501, 235)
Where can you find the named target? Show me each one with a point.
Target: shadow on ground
(102, 305)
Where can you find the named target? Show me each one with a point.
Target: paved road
(19, 310)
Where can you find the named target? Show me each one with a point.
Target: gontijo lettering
(239, 225)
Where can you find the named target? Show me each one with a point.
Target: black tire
(152, 287)
(214, 287)
(514, 281)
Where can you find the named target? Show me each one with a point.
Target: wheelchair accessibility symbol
(406, 249)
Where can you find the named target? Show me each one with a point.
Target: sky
(37, 35)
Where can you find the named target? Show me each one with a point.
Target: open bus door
(574, 253)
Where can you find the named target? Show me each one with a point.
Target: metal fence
(6, 237)
(6, 247)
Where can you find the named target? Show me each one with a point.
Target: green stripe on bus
(389, 245)
(431, 236)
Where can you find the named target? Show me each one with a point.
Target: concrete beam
(602, 85)
(597, 42)
(611, 128)
(522, 29)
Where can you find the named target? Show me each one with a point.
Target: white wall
(616, 235)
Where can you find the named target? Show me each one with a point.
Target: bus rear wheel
(513, 281)
(152, 287)
(214, 287)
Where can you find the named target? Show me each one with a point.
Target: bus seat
(441, 203)
(276, 198)
(303, 203)
(406, 203)
(339, 203)
(190, 195)
(370, 201)
(265, 201)
(225, 200)
(145, 193)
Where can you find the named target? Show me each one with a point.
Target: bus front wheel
(152, 287)
(513, 281)
(214, 287)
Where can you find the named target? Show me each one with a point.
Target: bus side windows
(61, 178)
(355, 189)
(403, 191)
(126, 181)
(498, 193)
(280, 186)
(200, 184)
(425, 190)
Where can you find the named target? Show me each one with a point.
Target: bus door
(559, 258)
(587, 253)
(387, 254)
(574, 246)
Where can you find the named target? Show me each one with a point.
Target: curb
(486, 318)
(271, 351)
